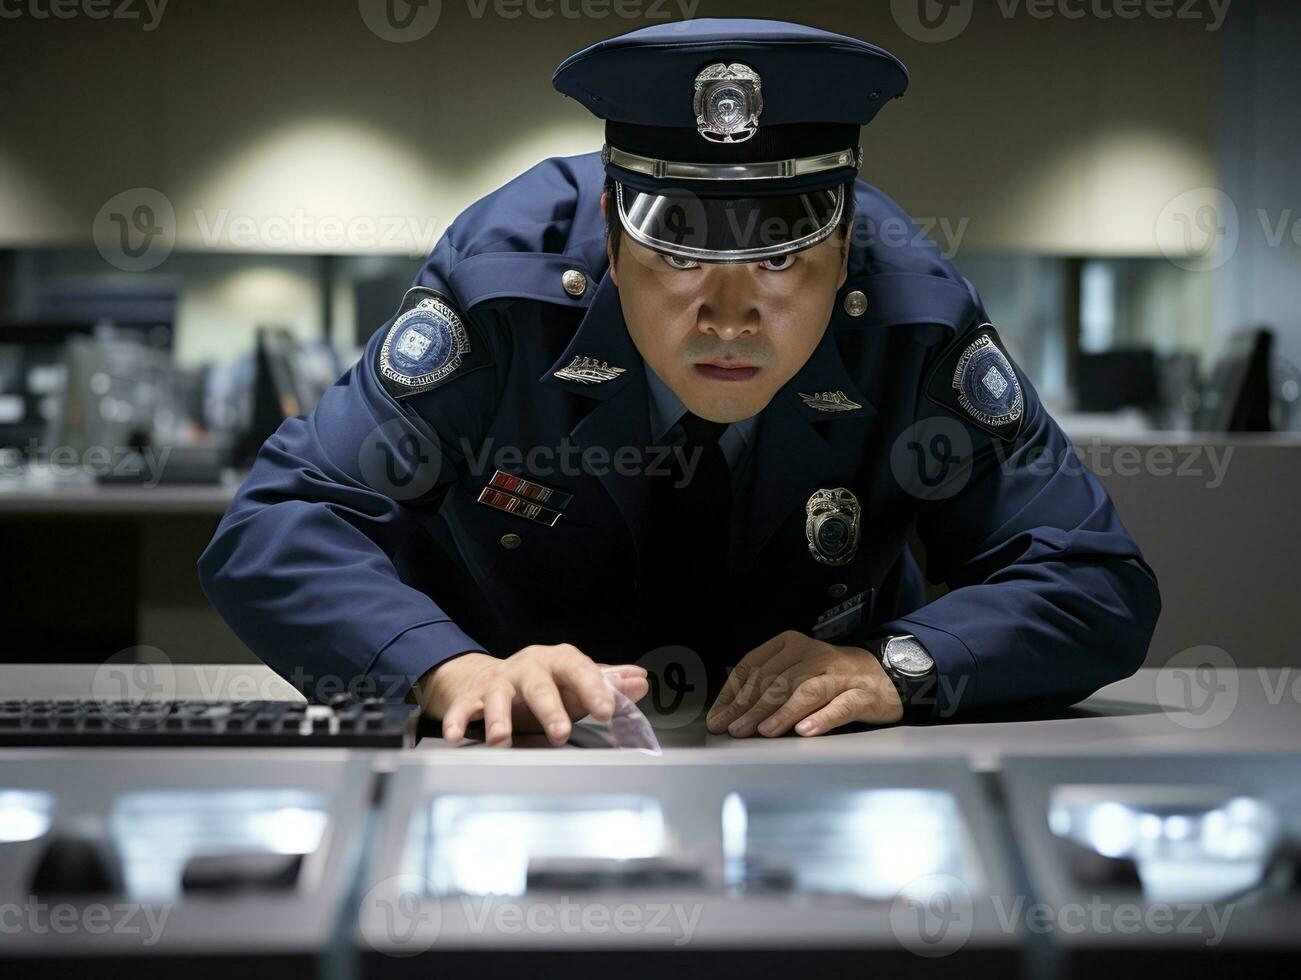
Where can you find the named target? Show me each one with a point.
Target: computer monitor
(1112, 380)
(289, 378)
(1238, 396)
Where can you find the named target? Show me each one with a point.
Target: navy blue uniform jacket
(357, 547)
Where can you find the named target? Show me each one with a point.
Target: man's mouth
(726, 370)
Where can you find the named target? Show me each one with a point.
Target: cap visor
(728, 229)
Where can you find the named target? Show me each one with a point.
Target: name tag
(841, 619)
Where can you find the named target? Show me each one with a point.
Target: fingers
(458, 716)
(768, 690)
(761, 698)
(553, 686)
(623, 669)
(584, 678)
(740, 680)
(543, 699)
(807, 698)
(496, 714)
(842, 709)
(633, 688)
(631, 679)
(794, 688)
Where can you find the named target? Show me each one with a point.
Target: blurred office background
(207, 207)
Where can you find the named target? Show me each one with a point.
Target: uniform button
(856, 302)
(837, 590)
(575, 282)
(511, 541)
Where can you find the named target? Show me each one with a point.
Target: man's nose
(728, 309)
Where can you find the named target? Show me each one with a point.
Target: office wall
(1022, 132)
(1214, 522)
(1260, 212)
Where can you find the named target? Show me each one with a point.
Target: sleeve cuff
(955, 666)
(414, 652)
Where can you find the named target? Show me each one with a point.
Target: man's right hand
(540, 688)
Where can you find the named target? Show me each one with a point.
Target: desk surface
(1247, 710)
(71, 498)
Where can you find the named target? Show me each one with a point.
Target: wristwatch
(912, 669)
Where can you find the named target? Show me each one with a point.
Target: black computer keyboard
(351, 724)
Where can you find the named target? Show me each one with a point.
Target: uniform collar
(666, 408)
(794, 446)
(824, 373)
(603, 336)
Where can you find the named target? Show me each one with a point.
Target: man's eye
(678, 262)
(783, 262)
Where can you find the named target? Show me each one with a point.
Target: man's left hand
(796, 680)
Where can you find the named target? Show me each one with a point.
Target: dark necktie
(687, 545)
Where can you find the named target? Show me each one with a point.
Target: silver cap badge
(727, 102)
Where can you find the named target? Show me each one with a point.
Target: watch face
(908, 656)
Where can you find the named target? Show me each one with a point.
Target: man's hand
(794, 679)
(540, 688)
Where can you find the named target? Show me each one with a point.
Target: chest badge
(831, 525)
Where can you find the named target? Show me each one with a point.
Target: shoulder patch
(425, 345)
(975, 380)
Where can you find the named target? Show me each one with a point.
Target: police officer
(685, 394)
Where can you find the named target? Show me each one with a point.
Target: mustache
(748, 350)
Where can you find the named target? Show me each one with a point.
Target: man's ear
(609, 253)
(844, 264)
